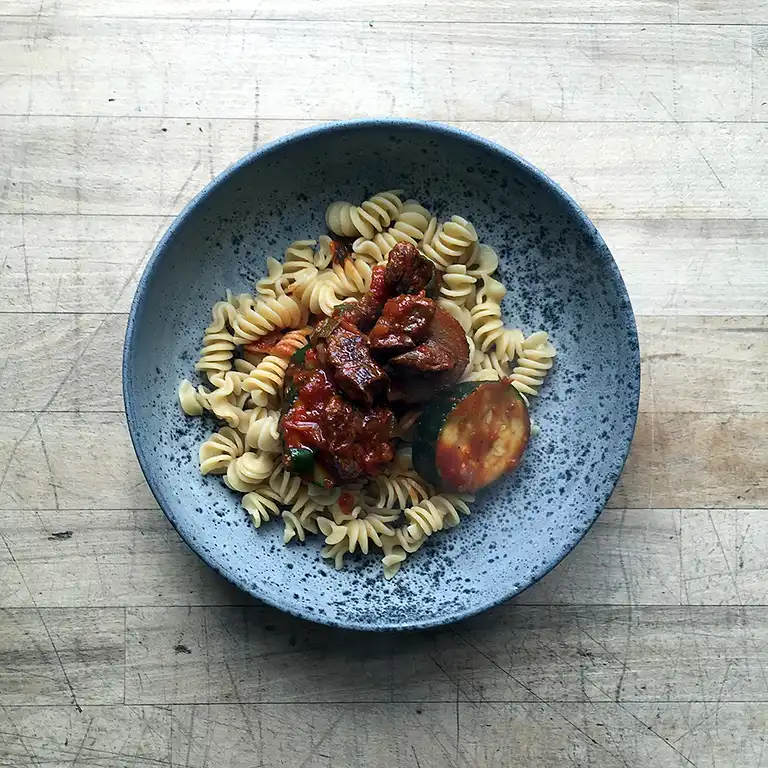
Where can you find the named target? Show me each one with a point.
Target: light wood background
(647, 646)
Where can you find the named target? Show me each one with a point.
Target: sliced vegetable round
(470, 435)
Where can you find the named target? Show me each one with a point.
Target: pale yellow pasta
(353, 278)
(453, 243)
(487, 325)
(373, 215)
(264, 432)
(284, 484)
(255, 318)
(533, 364)
(297, 527)
(192, 401)
(410, 227)
(246, 472)
(399, 488)
(357, 533)
(265, 381)
(219, 450)
(319, 295)
(274, 283)
(483, 262)
(225, 401)
(218, 341)
(261, 504)
(509, 345)
(457, 285)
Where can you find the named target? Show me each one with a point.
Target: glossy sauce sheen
(344, 438)
(483, 438)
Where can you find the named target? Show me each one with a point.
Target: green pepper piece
(301, 460)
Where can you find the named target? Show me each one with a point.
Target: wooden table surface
(647, 646)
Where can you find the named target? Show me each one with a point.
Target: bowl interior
(560, 277)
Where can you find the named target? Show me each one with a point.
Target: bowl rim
(338, 127)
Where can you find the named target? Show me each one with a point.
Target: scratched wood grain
(122, 165)
(62, 656)
(560, 72)
(470, 736)
(525, 653)
(550, 11)
(98, 736)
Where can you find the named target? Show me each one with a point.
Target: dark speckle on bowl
(560, 277)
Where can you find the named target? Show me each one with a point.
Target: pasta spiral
(410, 226)
(357, 533)
(225, 401)
(246, 473)
(192, 401)
(260, 505)
(398, 489)
(453, 243)
(487, 325)
(291, 342)
(374, 215)
(353, 277)
(263, 432)
(297, 527)
(265, 381)
(319, 295)
(274, 283)
(509, 345)
(484, 262)
(284, 484)
(257, 318)
(300, 262)
(436, 513)
(218, 343)
(533, 364)
(219, 450)
(457, 285)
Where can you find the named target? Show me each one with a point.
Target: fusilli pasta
(533, 364)
(373, 215)
(265, 381)
(218, 342)
(453, 243)
(219, 450)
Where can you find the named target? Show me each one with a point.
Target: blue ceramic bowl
(560, 277)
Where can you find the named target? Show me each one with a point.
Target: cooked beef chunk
(356, 373)
(404, 322)
(407, 271)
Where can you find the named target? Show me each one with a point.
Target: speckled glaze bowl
(560, 277)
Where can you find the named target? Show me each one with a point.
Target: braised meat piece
(404, 322)
(431, 356)
(407, 270)
(436, 363)
(356, 373)
(337, 436)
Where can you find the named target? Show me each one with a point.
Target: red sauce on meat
(393, 344)
(346, 440)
